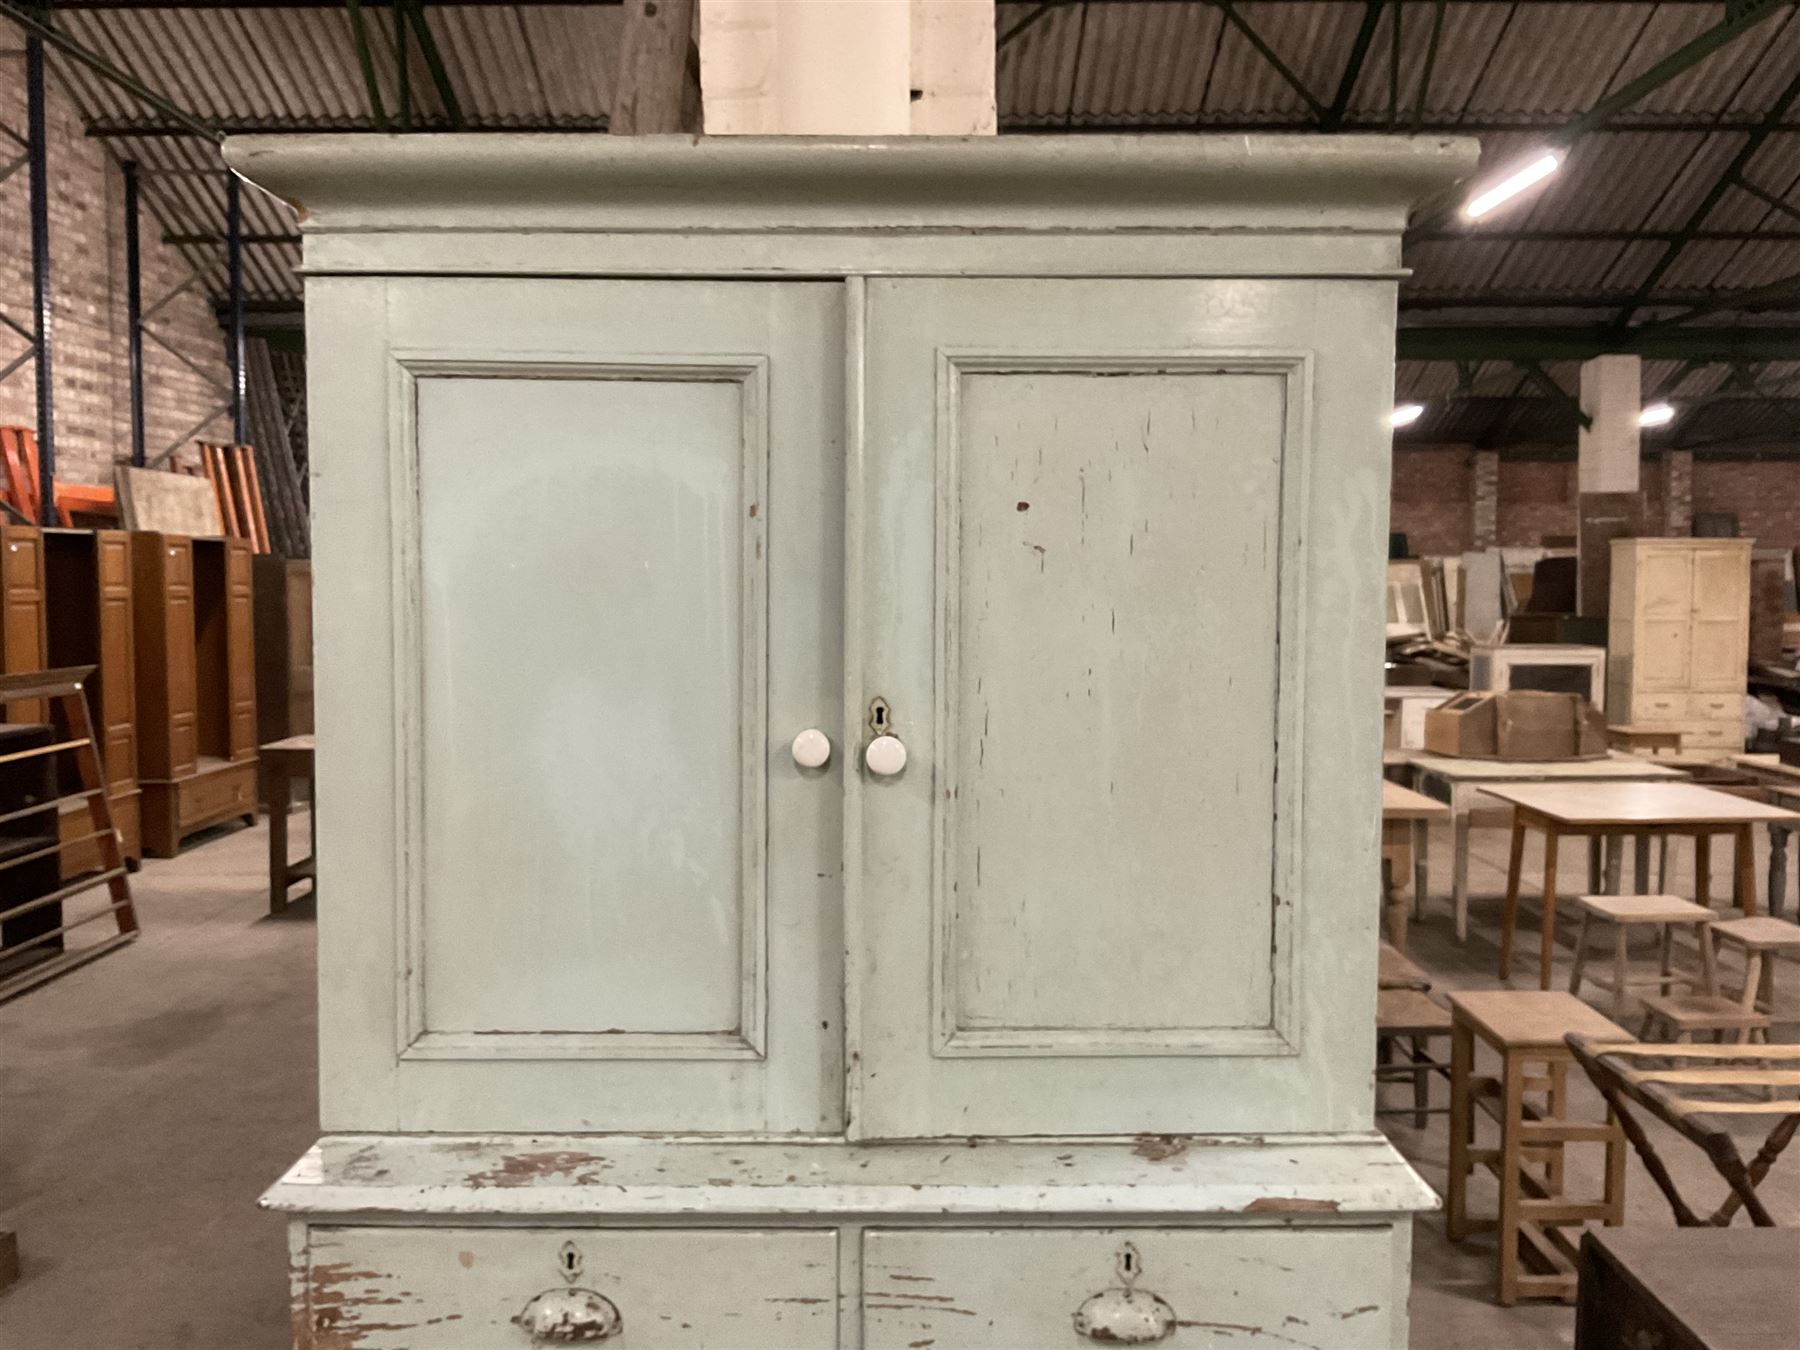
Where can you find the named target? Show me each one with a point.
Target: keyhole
(568, 1261)
(1129, 1261)
(880, 716)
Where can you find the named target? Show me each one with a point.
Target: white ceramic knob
(812, 748)
(886, 756)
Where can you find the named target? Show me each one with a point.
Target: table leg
(279, 790)
(1615, 864)
(1640, 862)
(1462, 1125)
(1703, 868)
(1509, 913)
(1744, 888)
(1547, 944)
(1459, 875)
(1778, 845)
(1512, 1163)
(1421, 838)
(1595, 884)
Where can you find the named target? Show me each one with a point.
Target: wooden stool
(1412, 1014)
(1661, 912)
(1761, 939)
(1747, 1015)
(1526, 1028)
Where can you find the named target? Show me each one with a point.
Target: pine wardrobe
(847, 678)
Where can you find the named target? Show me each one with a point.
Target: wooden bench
(1660, 912)
(1410, 1015)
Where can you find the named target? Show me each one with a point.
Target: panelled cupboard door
(1106, 527)
(613, 574)
(1721, 632)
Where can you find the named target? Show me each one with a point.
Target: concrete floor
(149, 1097)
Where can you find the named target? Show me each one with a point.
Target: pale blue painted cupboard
(848, 794)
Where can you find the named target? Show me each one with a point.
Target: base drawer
(1331, 1288)
(463, 1288)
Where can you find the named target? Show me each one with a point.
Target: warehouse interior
(530, 325)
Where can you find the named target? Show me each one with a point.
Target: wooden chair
(1660, 913)
(1410, 1015)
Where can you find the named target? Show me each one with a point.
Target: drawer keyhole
(568, 1261)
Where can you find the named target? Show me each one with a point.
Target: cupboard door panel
(22, 617)
(1090, 603)
(240, 651)
(636, 670)
(1721, 625)
(614, 580)
(118, 703)
(1085, 607)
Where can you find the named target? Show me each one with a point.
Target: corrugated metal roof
(1511, 72)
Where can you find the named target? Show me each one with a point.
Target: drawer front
(462, 1288)
(1719, 706)
(976, 1290)
(212, 795)
(1657, 707)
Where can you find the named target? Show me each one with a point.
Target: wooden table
(1782, 783)
(1405, 816)
(1458, 782)
(1617, 810)
(283, 761)
(1689, 1289)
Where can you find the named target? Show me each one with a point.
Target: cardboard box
(1516, 724)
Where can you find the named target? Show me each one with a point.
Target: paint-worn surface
(463, 1288)
(442, 1177)
(975, 1289)
(1120, 546)
(581, 882)
(1112, 531)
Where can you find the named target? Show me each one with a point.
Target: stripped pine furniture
(62, 696)
(1661, 913)
(1461, 784)
(1409, 1020)
(1782, 784)
(1396, 971)
(1528, 1100)
(282, 762)
(1678, 638)
(762, 895)
(1695, 1090)
(1759, 941)
(1406, 817)
(1607, 811)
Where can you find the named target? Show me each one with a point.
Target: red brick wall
(1764, 494)
(1434, 486)
(1432, 489)
(87, 254)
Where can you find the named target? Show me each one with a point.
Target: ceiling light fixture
(1405, 414)
(1656, 415)
(1513, 184)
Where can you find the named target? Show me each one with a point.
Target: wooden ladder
(72, 734)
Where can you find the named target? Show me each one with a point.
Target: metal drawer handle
(570, 1317)
(1125, 1314)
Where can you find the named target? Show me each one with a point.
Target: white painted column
(1611, 391)
(847, 67)
(1606, 474)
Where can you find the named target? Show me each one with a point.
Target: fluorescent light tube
(1656, 415)
(1405, 414)
(1513, 184)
